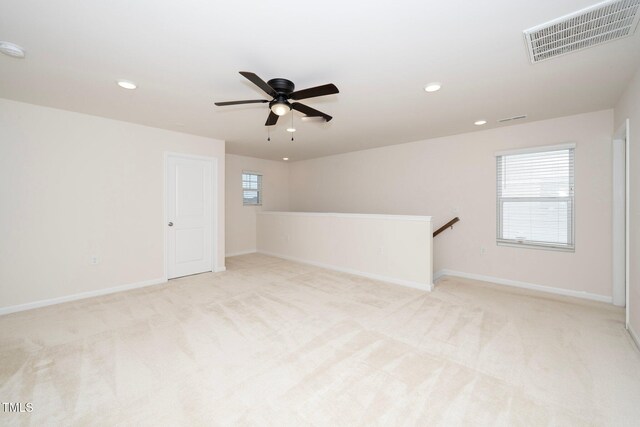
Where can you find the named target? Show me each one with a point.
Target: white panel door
(190, 214)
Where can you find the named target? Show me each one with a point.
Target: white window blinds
(536, 198)
(251, 188)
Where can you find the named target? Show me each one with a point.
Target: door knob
(170, 224)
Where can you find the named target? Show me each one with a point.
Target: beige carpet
(271, 342)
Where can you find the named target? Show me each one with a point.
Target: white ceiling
(185, 54)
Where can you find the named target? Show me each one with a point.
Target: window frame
(530, 244)
(259, 190)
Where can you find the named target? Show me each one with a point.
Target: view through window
(536, 198)
(251, 188)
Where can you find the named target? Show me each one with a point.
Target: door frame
(214, 207)
(622, 135)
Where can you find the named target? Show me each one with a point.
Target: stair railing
(447, 225)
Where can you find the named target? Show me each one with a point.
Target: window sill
(534, 246)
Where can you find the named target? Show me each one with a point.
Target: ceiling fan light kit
(282, 91)
(280, 107)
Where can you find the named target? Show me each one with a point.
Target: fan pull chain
(292, 125)
(268, 134)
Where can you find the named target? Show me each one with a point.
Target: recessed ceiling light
(126, 84)
(433, 87)
(285, 158)
(291, 129)
(480, 122)
(11, 49)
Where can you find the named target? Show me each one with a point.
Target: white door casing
(619, 224)
(621, 216)
(190, 214)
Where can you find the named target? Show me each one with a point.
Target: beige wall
(456, 176)
(73, 186)
(241, 220)
(393, 248)
(629, 108)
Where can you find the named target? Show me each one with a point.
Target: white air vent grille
(603, 22)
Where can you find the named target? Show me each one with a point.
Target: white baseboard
(252, 251)
(393, 280)
(634, 336)
(524, 285)
(82, 295)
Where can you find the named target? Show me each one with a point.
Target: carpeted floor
(272, 342)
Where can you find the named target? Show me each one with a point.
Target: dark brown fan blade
(328, 89)
(250, 101)
(253, 78)
(272, 119)
(310, 111)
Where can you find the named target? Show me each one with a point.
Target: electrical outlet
(483, 250)
(94, 260)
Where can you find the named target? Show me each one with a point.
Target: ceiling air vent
(601, 23)
(508, 119)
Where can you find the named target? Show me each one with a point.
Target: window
(535, 197)
(251, 188)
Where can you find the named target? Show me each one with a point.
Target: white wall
(393, 248)
(73, 186)
(629, 108)
(456, 176)
(241, 220)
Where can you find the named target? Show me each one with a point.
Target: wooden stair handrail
(447, 225)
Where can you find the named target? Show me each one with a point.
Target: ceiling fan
(282, 91)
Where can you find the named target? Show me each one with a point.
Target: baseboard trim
(524, 285)
(220, 269)
(253, 251)
(634, 336)
(79, 296)
(393, 280)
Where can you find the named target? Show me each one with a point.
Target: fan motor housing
(282, 85)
